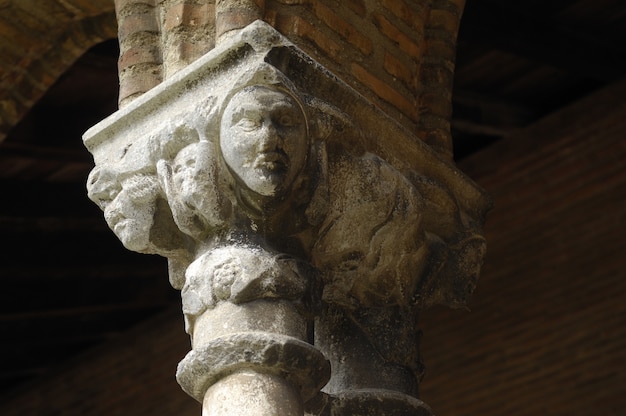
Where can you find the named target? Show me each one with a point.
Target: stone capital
(297, 218)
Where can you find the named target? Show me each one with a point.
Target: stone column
(231, 16)
(305, 227)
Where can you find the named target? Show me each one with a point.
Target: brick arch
(40, 44)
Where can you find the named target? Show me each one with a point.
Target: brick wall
(140, 64)
(547, 329)
(39, 43)
(398, 53)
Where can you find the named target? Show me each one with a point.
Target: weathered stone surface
(298, 362)
(272, 396)
(399, 54)
(376, 403)
(288, 206)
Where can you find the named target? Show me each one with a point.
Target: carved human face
(263, 139)
(128, 206)
(184, 168)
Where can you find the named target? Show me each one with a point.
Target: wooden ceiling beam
(477, 113)
(36, 163)
(51, 224)
(150, 267)
(131, 374)
(548, 318)
(88, 311)
(537, 37)
(11, 149)
(23, 198)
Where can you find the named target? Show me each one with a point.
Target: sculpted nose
(113, 212)
(269, 139)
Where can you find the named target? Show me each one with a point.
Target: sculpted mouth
(116, 220)
(119, 226)
(272, 161)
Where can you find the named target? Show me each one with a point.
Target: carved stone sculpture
(300, 238)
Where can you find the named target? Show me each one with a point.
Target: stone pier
(307, 212)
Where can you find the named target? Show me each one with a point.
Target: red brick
(270, 17)
(400, 8)
(404, 42)
(138, 83)
(135, 56)
(182, 53)
(296, 25)
(436, 75)
(145, 22)
(40, 71)
(437, 102)
(120, 5)
(438, 138)
(27, 22)
(439, 47)
(188, 15)
(357, 6)
(398, 69)
(343, 28)
(384, 91)
(86, 7)
(228, 20)
(444, 20)
(15, 39)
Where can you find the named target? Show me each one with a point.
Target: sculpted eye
(287, 120)
(102, 192)
(104, 198)
(249, 123)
